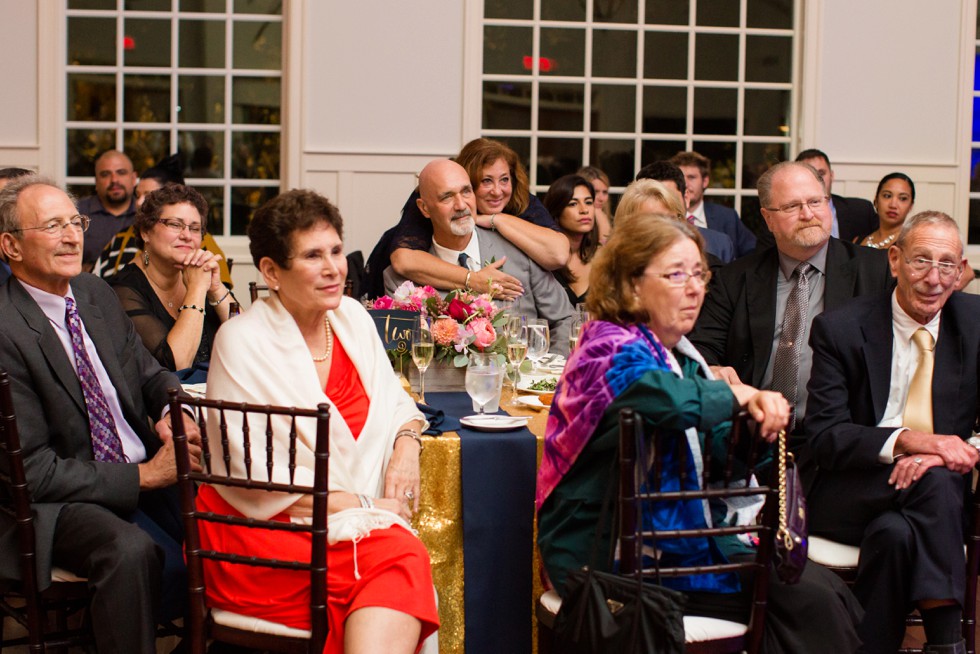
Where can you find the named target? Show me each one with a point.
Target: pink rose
(383, 302)
(444, 331)
(459, 310)
(483, 332)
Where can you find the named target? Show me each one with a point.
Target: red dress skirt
(393, 565)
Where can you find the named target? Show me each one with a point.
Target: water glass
(538, 340)
(483, 379)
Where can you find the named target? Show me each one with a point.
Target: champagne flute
(423, 348)
(579, 318)
(538, 340)
(516, 352)
(482, 378)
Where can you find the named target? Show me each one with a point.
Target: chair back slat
(742, 449)
(198, 613)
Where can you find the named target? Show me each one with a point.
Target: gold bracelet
(408, 432)
(492, 216)
(466, 283)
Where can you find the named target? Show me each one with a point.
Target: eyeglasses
(682, 277)
(177, 226)
(795, 208)
(57, 227)
(922, 266)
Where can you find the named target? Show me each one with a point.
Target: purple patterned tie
(106, 445)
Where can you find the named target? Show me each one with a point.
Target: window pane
(768, 58)
(715, 111)
(216, 204)
(91, 4)
(146, 147)
(973, 230)
(264, 7)
(613, 108)
(506, 105)
(257, 45)
(255, 155)
(244, 201)
(976, 122)
(200, 99)
(656, 150)
(523, 9)
(566, 48)
(146, 98)
(613, 53)
(147, 5)
(147, 42)
(722, 156)
(718, 13)
(203, 153)
(751, 216)
(668, 12)
(664, 110)
(604, 11)
(557, 157)
(757, 158)
(520, 145)
(84, 145)
(561, 107)
(255, 100)
(716, 57)
(775, 14)
(767, 113)
(202, 44)
(614, 157)
(974, 170)
(665, 55)
(91, 41)
(203, 5)
(505, 50)
(91, 97)
(558, 10)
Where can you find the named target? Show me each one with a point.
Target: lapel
(48, 343)
(841, 276)
(760, 298)
(947, 373)
(877, 350)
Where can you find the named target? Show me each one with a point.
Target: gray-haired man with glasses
(756, 316)
(86, 392)
(894, 397)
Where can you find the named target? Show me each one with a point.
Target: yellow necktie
(918, 406)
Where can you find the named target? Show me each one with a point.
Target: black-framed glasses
(682, 277)
(57, 227)
(796, 208)
(177, 226)
(922, 266)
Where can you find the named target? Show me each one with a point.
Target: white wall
(19, 81)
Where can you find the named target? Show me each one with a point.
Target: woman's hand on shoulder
(771, 410)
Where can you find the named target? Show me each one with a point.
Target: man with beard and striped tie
(85, 393)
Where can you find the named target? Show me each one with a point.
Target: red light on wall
(545, 64)
(129, 43)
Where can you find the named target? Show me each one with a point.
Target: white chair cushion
(60, 574)
(835, 555)
(248, 623)
(696, 629)
(699, 629)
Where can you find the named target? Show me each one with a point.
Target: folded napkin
(439, 422)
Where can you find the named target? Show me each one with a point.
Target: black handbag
(789, 555)
(603, 612)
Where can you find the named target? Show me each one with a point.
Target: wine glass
(579, 318)
(538, 340)
(423, 348)
(482, 378)
(516, 352)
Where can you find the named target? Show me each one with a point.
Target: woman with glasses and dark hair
(172, 290)
(646, 290)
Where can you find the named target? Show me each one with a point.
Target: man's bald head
(446, 198)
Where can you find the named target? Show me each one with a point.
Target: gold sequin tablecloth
(439, 522)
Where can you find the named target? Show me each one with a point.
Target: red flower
(459, 310)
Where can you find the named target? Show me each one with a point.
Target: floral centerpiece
(461, 322)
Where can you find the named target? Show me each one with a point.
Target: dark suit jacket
(725, 220)
(855, 217)
(851, 374)
(718, 244)
(738, 319)
(51, 415)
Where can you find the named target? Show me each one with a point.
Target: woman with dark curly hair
(172, 290)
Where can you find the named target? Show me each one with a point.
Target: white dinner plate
(494, 422)
(532, 401)
(524, 385)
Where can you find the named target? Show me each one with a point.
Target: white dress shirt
(54, 307)
(700, 220)
(472, 250)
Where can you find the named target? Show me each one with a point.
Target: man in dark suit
(853, 217)
(745, 309)
(714, 216)
(86, 392)
(893, 401)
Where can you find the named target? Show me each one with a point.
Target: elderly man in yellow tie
(893, 398)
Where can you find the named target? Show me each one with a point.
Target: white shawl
(261, 357)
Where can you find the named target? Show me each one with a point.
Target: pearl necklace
(329, 333)
(882, 243)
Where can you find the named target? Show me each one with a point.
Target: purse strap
(783, 531)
